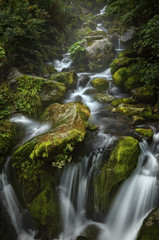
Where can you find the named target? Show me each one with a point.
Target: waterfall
(75, 188)
(64, 63)
(137, 197)
(20, 218)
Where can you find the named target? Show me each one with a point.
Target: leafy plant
(76, 49)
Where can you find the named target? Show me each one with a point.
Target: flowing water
(138, 195)
(20, 218)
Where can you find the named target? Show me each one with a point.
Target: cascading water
(74, 190)
(137, 197)
(19, 217)
(64, 63)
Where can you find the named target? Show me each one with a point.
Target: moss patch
(121, 163)
(100, 84)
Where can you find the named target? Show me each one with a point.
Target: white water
(102, 11)
(64, 63)
(74, 190)
(137, 197)
(32, 128)
(7, 195)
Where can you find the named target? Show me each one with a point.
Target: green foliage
(2, 52)
(76, 50)
(6, 98)
(27, 98)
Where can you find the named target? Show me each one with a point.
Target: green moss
(145, 94)
(100, 84)
(68, 78)
(131, 110)
(6, 100)
(32, 91)
(146, 133)
(44, 209)
(149, 229)
(117, 102)
(121, 62)
(7, 138)
(125, 78)
(121, 163)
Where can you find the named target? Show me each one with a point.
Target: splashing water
(74, 191)
(137, 197)
(20, 218)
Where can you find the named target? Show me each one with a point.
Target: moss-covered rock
(150, 229)
(34, 93)
(7, 138)
(100, 84)
(145, 133)
(131, 110)
(119, 166)
(145, 94)
(121, 62)
(119, 101)
(68, 78)
(124, 78)
(104, 98)
(137, 119)
(44, 207)
(54, 147)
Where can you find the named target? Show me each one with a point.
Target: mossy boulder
(44, 208)
(68, 78)
(104, 98)
(123, 159)
(130, 110)
(100, 84)
(54, 147)
(121, 62)
(34, 93)
(145, 133)
(146, 94)
(7, 138)
(150, 229)
(119, 101)
(124, 78)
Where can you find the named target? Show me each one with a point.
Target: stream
(138, 195)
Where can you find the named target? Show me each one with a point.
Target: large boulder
(98, 52)
(55, 147)
(126, 79)
(94, 52)
(100, 84)
(123, 159)
(130, 110)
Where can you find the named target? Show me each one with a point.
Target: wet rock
(118, 101)
(117, 168)
(131, 110)
(124, 78)
(149, 229)
(144, 133)
(90, 233)
(128, 35)
(121, 62)
(100, 84)
(12, 77)
(137, 119)
(68, 78)
(145, 94)
(68, 128)
(104, 98)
